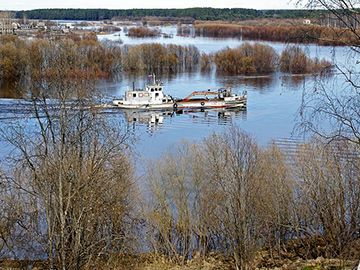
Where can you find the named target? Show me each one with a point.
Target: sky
(126, 4)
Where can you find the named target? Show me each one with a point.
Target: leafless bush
(329, 195)
(230, 196)
(219, 196)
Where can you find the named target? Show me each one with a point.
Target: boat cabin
(152, 94)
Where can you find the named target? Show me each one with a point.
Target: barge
(152, 97)
(222, 98)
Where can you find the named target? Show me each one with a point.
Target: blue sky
(118, 4)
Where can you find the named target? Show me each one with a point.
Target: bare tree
(72, 170)
(173, 213)
(225, 195)
(235, 157)
(338, 103)
(328, 197)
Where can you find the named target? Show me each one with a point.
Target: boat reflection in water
(156, 120)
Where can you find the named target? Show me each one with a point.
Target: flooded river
(273, 101)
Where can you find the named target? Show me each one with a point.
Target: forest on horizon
(194, 13)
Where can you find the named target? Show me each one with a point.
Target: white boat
(153, 97)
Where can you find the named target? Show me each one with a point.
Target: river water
(273, 101)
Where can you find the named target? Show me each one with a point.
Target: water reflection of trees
(141, 76)
(259, 82)
(293, 81)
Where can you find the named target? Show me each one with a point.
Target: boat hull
(185, 104)
(206, 104)
(145, 107)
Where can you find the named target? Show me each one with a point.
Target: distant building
(307, 21)
(69, 26)
(26, 26)
(41, 26)
(15, 26)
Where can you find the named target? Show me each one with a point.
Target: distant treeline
(195, 13)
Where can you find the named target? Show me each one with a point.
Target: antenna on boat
(133, 86)
(154, 78)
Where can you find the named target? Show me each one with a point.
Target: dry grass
(214, 262)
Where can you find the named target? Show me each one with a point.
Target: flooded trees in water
(13, 59)
(85, 56)
(294, 60)
(205, 62)
(260, 59)
(160, 58)
(248, 59)
(140, 32)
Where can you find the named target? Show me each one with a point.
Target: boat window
(152, 89)
(155, 89)
(164, 100)
(156, 94)
(160, 89)
(134, 95)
